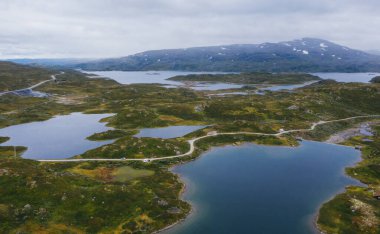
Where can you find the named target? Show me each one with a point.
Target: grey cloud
(107, 28)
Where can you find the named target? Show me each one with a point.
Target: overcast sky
(109, 28)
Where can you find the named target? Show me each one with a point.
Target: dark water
(168, 132)
(60, 137)
(263, 189)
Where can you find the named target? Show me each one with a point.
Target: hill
(304, 55)
(15, 76)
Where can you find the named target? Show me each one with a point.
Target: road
(52, 78)
(192, 143)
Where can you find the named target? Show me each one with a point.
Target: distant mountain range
(303, 55)
(46, 62)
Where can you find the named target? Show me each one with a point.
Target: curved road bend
(53, 78)
(192, 143)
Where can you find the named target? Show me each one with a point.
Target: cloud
(108, 28)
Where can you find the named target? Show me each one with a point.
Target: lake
(168, 132)
(160, 77)
(348, 77)
(262, 189)
(145, 77)
(63, 136)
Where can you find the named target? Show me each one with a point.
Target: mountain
(50, 62)
(304, 55)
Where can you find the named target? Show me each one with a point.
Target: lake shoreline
(351, 132)
(182, 192)
(312, 220)
(316, 215)
(62, 123)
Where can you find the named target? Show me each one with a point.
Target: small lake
(63, 136)
(348, 77)
(262, 189)
(168, 132)
(286, 87)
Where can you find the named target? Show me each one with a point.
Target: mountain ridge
(300, 55)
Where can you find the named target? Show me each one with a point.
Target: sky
(114, 28)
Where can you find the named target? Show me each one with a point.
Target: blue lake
(63, 136)
(168, 132)
(160, 77)
(145, 77)
(262, 189)
(348, 77)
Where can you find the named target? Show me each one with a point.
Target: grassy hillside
(14, 76)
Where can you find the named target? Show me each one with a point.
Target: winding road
(52, 78)
(211, 134)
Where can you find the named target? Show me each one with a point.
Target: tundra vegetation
(250, 78)
(136, 197)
